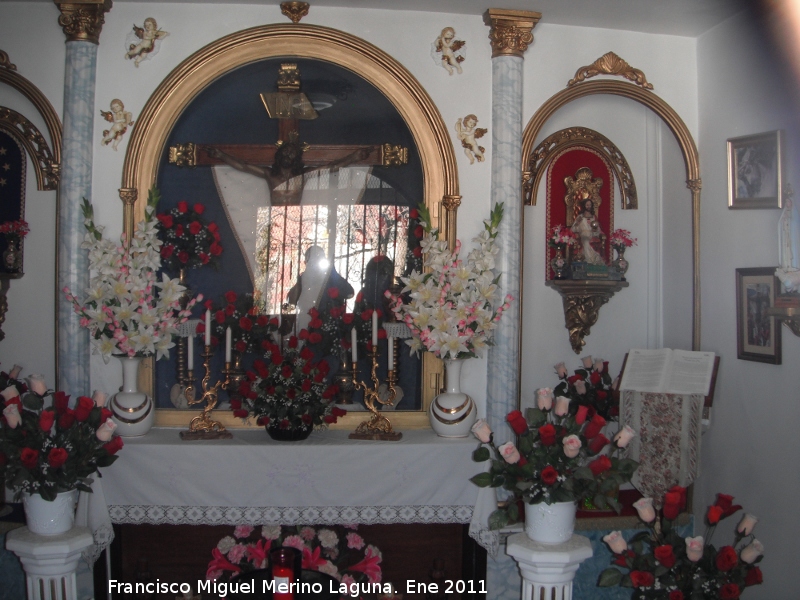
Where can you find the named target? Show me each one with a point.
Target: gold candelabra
(203, 426)
(378, 427)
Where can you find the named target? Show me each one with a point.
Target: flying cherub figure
(121, 120)
(149, 34)
(448, 51)
(468, 133)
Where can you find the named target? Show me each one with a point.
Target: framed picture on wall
(758, 335)
(755, 171)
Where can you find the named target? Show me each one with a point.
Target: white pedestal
(548, 569)
(50, 561)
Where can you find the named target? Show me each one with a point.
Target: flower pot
(288, 435)
(50, 518)
(550, 523)
(452, 414)
(620, 263)
(133, 410)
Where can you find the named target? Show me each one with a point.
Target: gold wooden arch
(581, 89)
(193, 75)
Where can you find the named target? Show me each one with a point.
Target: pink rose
(15, 371)
(572, 445)
(752, 552)
(580, 386)
(11, 413)
(354, 541)
(561, 370)
(242, 531)
(482, 431)
(562, 406)
(36, 384)
(106, 430)
(509, 453)
(9, 393)
(544, 398)
(624, 436)
(694, 548)
(99, 398)
(746, 525)
(644, 506)
(616, 542)
(598, 365)
(587, 361)
(294, 541)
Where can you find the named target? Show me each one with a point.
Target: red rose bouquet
(590, 386)
(55, 446)
(328, 332)
(250, 332)
(287, 390)
(187, 241)
(659, 564)
(559, 457)
(336, 550)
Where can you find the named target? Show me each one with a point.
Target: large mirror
(369, 146)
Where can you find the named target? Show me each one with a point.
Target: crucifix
(283, 164)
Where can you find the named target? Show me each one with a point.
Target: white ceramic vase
(50, 518)
(452, 413)
(133, 410)
(550, 523)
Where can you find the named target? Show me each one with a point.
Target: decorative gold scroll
(611, 64)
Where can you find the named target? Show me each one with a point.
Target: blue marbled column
(503, 374)
(76, 183)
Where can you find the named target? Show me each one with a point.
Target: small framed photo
(758, 335)
(755, 171)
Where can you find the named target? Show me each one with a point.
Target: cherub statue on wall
(468, 133)
(142, 41)
(120, 120)
(448, 52)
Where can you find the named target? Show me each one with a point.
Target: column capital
(511, 30)
(82, 20)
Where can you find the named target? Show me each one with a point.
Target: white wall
(752, 449)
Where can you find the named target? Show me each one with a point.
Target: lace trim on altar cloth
(306, 515)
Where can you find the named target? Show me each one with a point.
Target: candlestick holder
(378, 427)
(203, 427)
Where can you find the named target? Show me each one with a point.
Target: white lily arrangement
(454, 305)
(126, 309)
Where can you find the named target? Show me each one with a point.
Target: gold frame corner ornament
(409, 98)
(611, 64)
(511, 31)
(82, 20)
(295, 10)
(5, 61)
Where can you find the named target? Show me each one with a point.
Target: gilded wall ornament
(511, 30)
(47, 169)
(611, 64)
(5, 62)
(82, 21)
(294, 10)
(468, 133)
(143, 42)
(120, 120)
(448, 52)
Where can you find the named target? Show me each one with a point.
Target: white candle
(375, 328)
(190, 351)
(354, 344)
(228, 345)
(208, 328)
(391, 354)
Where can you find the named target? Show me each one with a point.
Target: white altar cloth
(326, 479)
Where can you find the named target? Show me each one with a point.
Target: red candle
(283, 575)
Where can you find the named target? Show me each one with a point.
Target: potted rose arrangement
(287, 393)
(251, 332)
(589, 385)
(559, 459)
(660, 564)
(560, 238)
(50, 447)
(619, 240)
(336, 550)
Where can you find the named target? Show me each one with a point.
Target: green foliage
(481, 454)
(609, 578)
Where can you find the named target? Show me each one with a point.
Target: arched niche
(639, 93)
(189, 79)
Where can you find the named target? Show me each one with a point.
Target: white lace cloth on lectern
(93, 513)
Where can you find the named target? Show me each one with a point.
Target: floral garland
(450, 307)
(188, 242)
(621, 239)
(123, 311)
(338, 551)
(250, 331)
(50, 450)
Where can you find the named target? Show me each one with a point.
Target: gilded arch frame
(188, 79)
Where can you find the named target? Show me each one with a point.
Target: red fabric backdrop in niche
(564, 165)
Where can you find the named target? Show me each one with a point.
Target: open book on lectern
(669, 371)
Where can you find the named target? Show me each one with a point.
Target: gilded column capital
(511, 30)
(128, 196)
(451, 202)
(694, 185)
(82, 20)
